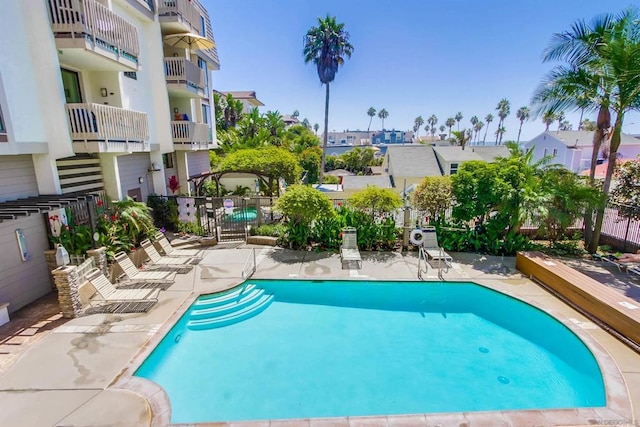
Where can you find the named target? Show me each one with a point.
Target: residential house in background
(573, 149)
(348, 138)
(247, 97)
(87, 92)
(451, 157)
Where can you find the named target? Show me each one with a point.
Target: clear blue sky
(412, 58)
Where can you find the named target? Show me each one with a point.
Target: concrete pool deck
(77, 373)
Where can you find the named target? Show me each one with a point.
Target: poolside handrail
(248, 272)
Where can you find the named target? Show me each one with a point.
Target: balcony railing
(91, 20)
(181, 9)
(103, 123)
(181, 70)
(191, 135)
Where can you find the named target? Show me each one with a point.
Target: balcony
(97, 128)
(91, 37)
(184, 78)
(177, 16)
(190, 136)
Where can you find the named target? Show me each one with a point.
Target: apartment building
(96, 95)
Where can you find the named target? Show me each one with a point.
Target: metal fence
(80, 210)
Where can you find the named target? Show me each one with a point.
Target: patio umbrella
(188, 41)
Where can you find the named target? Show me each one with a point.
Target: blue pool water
(340, 348)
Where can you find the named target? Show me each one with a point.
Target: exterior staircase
(233, 307)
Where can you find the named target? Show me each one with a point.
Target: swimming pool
(301, 349)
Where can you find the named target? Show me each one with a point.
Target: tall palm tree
(383, 114)
(316, 127)
(449, 123)
(601, 74)
(473, 121)
(488, 118)
(442, 128)
(560, 118)
(458, 117)
(327, 46)
(477, 127)
(433, 121)
(503, 109)
(522, 114)
(461, 137)
(419, 121)
(548, 118)
(499, 132)
(371, 112)
(433, 132)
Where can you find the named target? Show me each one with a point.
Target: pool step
(255, 308)
(235, 305)
(216, 300)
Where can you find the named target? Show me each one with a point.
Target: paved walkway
(57, 372)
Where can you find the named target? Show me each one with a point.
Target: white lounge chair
(178, 264)
(349, 249)
(173, 252)
(135, 300)
(432, 248)
(134, 275)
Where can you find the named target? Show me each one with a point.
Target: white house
(573, 149)
(88, 91)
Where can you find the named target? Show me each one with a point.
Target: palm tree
(560, 118)
(499, 132)
(433, 132)
(442, 128)
(477, 127)
(522, 114)
(547, 118)
(295, 114)
(449, 123)
(458, 117)
(383, 114)
(601, 74)
(433, 121)
(503, 109)
(461, 137)
(371, 112)
(488, 118)
(473, 121)
(316, 127)
(419, 121)
(327, 46)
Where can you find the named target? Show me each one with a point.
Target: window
(205, 113)
(167, 160)
(131, 75)
(555, 152)
(544, 154)
(203, 28)
(453, 169)
(71, 85)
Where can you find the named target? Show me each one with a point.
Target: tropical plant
(560, 118)
(449, 123)
(602, 62)
(124, 225)
(627, 191)
(371, 112)
(173, 184)
(474, 120)
(522, 114)
(548, 118)
(588, 125)
(301, 205)
(376, 201)
(306, 123)
(419, 121)
(488, 118)
(432, 121)
(461, 138)
(383, 114)
(503, 110)
(315, 128)
(477, 128)
(458, 118)
(433, 195)
(327, 46)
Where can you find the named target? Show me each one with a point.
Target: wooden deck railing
(97, 122)
(182, 70)
(88, 18)
(183, 9)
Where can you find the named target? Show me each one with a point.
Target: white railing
(183, 9)
(182, 70)
(185, 132)
(88, 18)
(97, 122)
(250, 265)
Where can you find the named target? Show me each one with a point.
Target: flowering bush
(76, 238)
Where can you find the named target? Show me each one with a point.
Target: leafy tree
(433, 195)
(298, 138)
(309, 160)
(383, 114)
(301, 205)
(522, 114)
(228, 111)
(376, 201)
(458, 118)
(306, 123)
(214, 159)
(588, 125)
(295, 114)
(449, 123)
(327, 46)
(627, 191)
(371, 112)
(476, 191)
(358, 159)
(488, 118)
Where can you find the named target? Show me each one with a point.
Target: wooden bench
(620, 313)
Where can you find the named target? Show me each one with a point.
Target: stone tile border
(617, 412)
